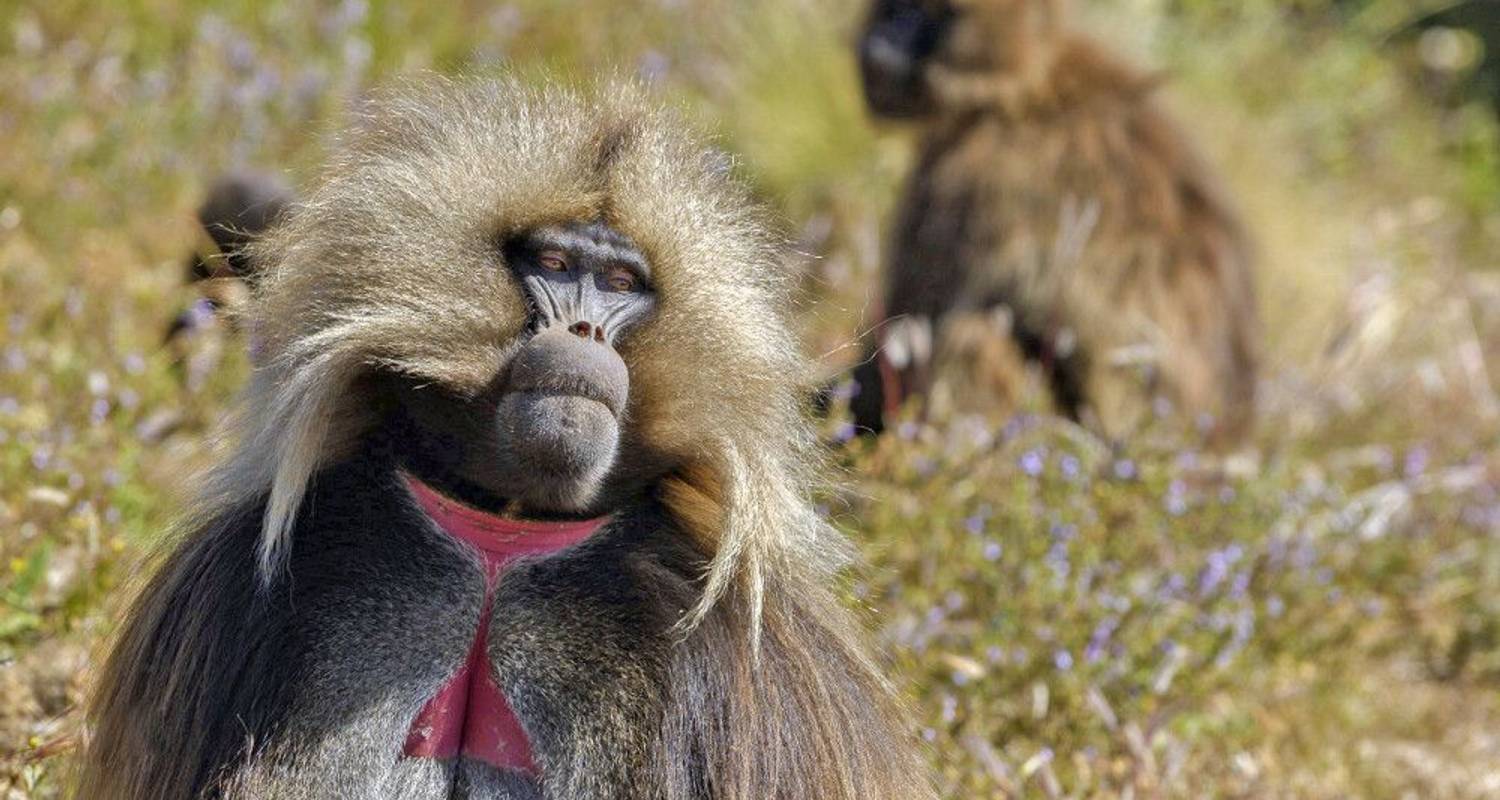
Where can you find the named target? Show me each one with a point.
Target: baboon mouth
(580, 390)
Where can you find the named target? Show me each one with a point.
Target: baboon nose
(585, 330)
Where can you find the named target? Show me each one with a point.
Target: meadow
(1316, 616)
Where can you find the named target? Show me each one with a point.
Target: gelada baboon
(239, 207)
(520, 502)
(1050, 185)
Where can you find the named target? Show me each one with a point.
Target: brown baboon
(520, 502)
(1051, 184)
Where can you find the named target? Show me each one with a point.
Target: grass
(1316, 617)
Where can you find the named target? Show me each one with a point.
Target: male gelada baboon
(1050, 185)
(520, 501)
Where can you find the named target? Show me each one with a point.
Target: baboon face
(546, 432)
(906, 41)
(900, 38)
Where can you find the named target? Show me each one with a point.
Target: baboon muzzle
(572, 361)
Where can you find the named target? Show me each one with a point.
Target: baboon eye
(552, 262)
(622, 280)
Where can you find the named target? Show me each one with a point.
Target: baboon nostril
(598, 334)
(582, 330)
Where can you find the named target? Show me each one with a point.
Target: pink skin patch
(469, 715)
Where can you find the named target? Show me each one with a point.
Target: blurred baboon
(1052, 187)
(520, 506)
(239, 208)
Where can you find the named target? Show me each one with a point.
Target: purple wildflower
(1176, 500)
(1275, 606)
(1057, 559)
(1099, 639)
(653, 66)
(1415, 463)
(1033, 462)
(844, 432)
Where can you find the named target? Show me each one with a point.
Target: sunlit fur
(1085, 205)
(390, 263)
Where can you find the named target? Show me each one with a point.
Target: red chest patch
(469, 715)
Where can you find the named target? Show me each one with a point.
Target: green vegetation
(1319, 617)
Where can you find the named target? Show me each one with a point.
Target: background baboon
(545, 325)
(238, 208)
(1050, 183)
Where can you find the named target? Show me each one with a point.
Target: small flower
(653, 66)
(1176, 500)
(992, 550)
(1214, 572)
(1057, 559)
(1240, 586)
(1125, 469)
(1063, 660)
(1033, 462)
(1099, 639)
(950, 708)
(1415, 463)
(1275, 606)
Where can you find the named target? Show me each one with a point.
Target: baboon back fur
(1050, 180)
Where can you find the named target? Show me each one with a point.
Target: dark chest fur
(378, 608)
